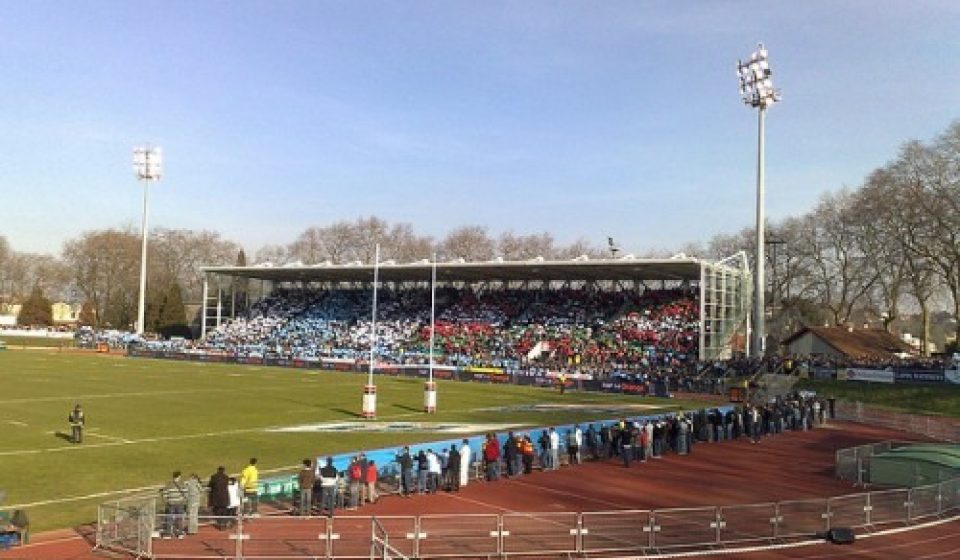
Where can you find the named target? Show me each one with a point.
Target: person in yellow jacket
(248, 481)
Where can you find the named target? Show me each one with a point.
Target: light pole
(147, 161)
(775, 287)
(756, 90)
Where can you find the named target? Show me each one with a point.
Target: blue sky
(585, 119)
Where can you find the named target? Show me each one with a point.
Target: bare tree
(176, 255)
(471, 243)
(840, 271)
(578, 248)
(105, 266)
(273, 254)
(513, 247)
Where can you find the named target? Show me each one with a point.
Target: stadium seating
(573, 329)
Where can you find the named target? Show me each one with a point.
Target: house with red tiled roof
(846, 342)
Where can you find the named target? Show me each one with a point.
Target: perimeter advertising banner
(871, 375)
(919, 375)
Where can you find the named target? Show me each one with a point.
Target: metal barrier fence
(854, 464)
(935, 427)
(537, 534)
(126, 525)
(380, 548)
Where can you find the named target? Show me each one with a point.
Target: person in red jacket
(491, 457)
(372, 495)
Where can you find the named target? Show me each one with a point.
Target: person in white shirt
(578, 436)
(236, 497)
(433, 472)
(465, 463)
(554, 449)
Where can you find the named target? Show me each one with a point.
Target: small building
(846, 342)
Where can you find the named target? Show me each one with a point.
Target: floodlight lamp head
(756, 84)
(147, 162)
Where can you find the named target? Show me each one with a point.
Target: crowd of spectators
(568, 329)
(627, 442)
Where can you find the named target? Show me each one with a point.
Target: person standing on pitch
(77, 421)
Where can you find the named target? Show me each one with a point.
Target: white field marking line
(138, 441)
(75, 398)
(572, 494)
(104, 436)
(17, 423)
(174, 438)
(744, 550)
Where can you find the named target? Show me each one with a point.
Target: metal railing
(380, 548)
(939, 428)
(553, 534)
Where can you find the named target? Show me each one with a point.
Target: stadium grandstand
(577, 315)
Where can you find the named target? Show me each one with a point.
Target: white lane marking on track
(17, 423)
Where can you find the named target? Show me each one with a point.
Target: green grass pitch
(147, 418)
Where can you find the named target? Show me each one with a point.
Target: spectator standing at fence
(423, 469)
(362, 459)
(491, 457)
(329, 478)
(305, 480)
(755, 424)
(235, 492)
(591, 441)
(527, 453)
(174, 495)
(405, 461)
(371, 479)
(554, 449)
(248, 481)
(626, 444)
(646, 440)
(444, 457)
(354, 474)
(194, 492)
(433, 472)
(544, 442)
(510, 454)
(605, 441)
(466, 458)
(219, 500)
(77, 421)
(453, 469)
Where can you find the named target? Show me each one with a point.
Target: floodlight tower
(147, 162)
(756, 90)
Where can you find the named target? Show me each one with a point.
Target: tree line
(886, 248)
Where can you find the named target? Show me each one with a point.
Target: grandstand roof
(677, 268)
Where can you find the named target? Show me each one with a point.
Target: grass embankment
(146, 418)
(942, 399)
